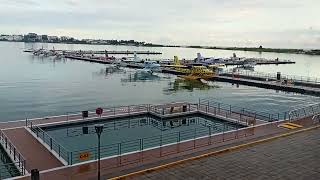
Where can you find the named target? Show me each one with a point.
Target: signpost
(83, 156)
(99, 111)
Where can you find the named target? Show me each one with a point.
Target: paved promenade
(292, 157)
(36, 155)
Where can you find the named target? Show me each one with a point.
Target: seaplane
(133, 62)
(150, 67)
(208, 60)
(198, 72)
(194, 71)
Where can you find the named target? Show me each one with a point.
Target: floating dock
(283, 84)
(267, 62)
(94, 52)
(89, 59)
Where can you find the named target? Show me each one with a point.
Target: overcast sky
(271, 23)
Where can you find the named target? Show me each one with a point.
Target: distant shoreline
(252, 49)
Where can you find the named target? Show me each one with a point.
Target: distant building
(53, 38)
(11, 37)
(65, 38)
(44, 38)
(17, 37)
(31, 37)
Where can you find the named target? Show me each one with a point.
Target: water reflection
(109, 70)
(242, 68)
(181, 84)
(46, 60)
(140, 76)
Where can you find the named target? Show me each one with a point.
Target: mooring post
(194, 138)
(209, 134)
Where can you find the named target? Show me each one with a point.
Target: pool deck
(39, 156)
(88, 170)
(35, 154)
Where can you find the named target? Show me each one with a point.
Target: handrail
(304, 112)
(138, 144)
(316, 118)
(92, 113)
(13, 152)
(231, 108)
(60, 150)
(9, 170)
(155, 141)
(295, 78)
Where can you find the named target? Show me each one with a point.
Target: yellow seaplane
(194, 71)
(198, 72)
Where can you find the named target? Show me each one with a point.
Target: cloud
(208, 22)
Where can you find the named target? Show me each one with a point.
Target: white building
(53, 38)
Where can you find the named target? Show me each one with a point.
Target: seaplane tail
(135, 57)
(176, 60)
(199, 57)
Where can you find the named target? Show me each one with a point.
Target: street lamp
(99, 129)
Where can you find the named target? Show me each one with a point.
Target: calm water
(129, 131)
(34, 86)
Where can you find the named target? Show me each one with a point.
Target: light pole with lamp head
(99, 129)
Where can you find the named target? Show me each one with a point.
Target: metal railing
(162, 140)
(107, 112)
(53, 145)
(205, 105)
(227, 110)
(9, 170)
(316, 118)
(13, 152)
(304, 112)
(208, 128)
(273, 76)
(173, 108)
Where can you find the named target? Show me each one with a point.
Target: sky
(270, 23)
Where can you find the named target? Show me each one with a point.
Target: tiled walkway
(293, 157)
(37, 156)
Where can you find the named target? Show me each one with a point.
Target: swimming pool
(133, 134)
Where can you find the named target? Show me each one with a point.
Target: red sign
(99, 111)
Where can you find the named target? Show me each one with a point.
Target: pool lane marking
(230, 149)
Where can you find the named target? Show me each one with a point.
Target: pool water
(135, 133)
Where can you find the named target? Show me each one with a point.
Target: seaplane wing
(176, 66)
(216, 65)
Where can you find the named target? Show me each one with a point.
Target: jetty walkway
(303, 85)
(94, 52)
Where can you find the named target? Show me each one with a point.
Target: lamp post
(99, 129)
